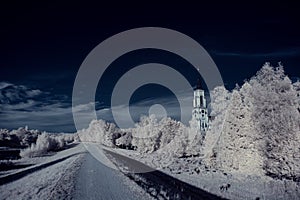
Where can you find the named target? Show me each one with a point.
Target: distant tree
(149, 135)
(145, 134)
(45, 143)
(101, 132)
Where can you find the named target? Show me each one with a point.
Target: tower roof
(199, 85)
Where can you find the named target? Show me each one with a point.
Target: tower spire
(199, 85)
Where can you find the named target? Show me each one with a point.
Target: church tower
(200, 109)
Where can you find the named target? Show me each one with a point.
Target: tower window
(201, 100)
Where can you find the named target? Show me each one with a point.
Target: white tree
(125, 141)
(296, 86)
(168, 129)
(145, 134)
(237, 147)
(250, 156)
(45, 142)
(220, 99)
(195, 139)
(101, 132)
(228, 144)
(277, 120)
(149, 135)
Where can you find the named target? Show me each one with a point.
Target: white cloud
(33, 93)
(10, 93)
(4, 85)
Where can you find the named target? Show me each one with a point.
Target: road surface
(97, 181)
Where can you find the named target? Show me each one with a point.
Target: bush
(101, 132)
(46, 143)
(19, 138)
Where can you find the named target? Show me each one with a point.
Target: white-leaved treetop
(256, 127)
(276, 119)
(220, 99)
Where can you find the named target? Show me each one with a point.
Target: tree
(220, 99)
(276, 118)
(145, 134)
(237, 148)
(101, 132)
(125, 141)
(296, 86)
(195, 139)
(250, 156)
(149, 135)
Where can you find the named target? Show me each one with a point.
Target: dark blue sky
(44, 44)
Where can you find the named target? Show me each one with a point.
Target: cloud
(20, 106)
(4, 85)
(33, 93)
(10, 93)
(53, 117)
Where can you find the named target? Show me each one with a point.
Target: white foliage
(99, 131)
(257, 131)
(237, 146)
(195, 139)
(178, 146)
(46, 142)
(277, 120)
(21, 137)
(296, 86)
(220, 99)
(125, 140)
(150, 135)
